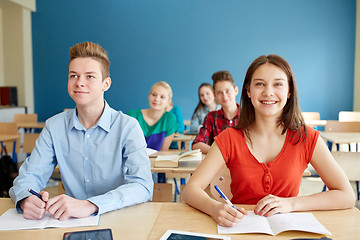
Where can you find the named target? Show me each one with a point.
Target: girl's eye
(259, 84)
(162, 97)
(278, 84)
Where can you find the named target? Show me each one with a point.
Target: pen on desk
(34, 193)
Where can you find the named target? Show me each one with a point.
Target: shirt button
(86, 158)
(87, 135)
(87, 180)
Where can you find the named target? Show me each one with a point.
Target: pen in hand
(34, 193)
(227, 200)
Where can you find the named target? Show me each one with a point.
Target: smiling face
(225, 93)
(206, 95)
(268, 90)
(159, 98)
(86, 85)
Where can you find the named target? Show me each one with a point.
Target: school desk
(15, 138)
(151, 220)
(184, 138)
(315, 123)
(31, 125)
(340, 138)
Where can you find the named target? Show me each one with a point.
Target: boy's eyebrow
(85, 72)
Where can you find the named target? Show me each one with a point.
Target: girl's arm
(166, 143)
(194, 193)
(339, 196)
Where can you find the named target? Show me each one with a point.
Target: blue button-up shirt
(106, 164)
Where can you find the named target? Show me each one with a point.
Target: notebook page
(296, 221)
(251, 223)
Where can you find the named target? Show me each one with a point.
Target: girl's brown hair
(291, 117)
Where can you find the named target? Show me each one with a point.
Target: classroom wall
(184, 42)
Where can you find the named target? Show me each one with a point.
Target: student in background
(206, 104)
(267, 153)
(100, 152)
(158, 125)
(179, 119)
(215, 122)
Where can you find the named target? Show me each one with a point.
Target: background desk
(151, 220)
(186, 138)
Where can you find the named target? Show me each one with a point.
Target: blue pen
(34, 193)
(224, 197)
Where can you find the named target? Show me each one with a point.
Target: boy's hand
(63, 207)
(33, 207)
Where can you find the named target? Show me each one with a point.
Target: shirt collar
(104, 122)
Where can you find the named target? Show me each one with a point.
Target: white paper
(11, 220)
(276, 224)
(150, 151)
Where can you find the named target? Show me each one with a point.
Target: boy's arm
(36, 170)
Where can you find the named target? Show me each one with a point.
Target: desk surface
(31, 124)
(151, 220)
(9, 137)
(341, 137)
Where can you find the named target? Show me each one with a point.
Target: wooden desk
(151, 220)
(31, 124)
(341, 137)
(182, 171)
(186, 138)
(315, 123)
(15, 139)
(9, 137)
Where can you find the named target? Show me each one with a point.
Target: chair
(350, 163)
(10, 128)
(349, 116)
(311, 115)
(25, 117)
(223, 180)
(29, 142)
(162, 192)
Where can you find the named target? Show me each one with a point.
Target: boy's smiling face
(86, 85)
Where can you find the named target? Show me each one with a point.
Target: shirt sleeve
(138, 184)
(36, 170)
(195, 122)
(206, 131)
(179, 119)
(171, 124)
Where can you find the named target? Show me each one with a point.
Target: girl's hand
(271, 205)
(226, 216)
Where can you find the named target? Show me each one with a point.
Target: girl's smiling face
(269, 90)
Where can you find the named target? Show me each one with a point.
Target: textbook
(276, 224)
(11, 220)
(173, 159)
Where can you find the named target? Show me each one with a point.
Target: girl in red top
(267, 153)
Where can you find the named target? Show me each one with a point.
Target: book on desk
(173, 160)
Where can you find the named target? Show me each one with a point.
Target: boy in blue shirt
(100, 152)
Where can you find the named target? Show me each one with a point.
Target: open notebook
(276, 224)
(11, 220)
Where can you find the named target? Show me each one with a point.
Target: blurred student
(267, 153)
(100, 152)
(158, 125)
(206, 104)
(215, 122)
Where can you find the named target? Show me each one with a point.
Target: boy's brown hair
(92, 50)
(223, 76)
